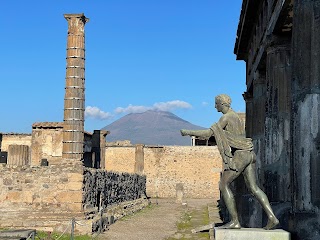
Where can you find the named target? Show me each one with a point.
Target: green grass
(142, 211)
(55, 235)
(42, 235)
(205, 216)
(189, 220)
(185, 222)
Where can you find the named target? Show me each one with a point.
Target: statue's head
(222, 101)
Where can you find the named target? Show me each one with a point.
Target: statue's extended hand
(184, 132)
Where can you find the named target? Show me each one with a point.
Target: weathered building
(167, 168)
(280, 42)
(15, 148)
(46, 143)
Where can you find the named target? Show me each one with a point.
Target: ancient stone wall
(43, 197)
(108, 196)
(195, 169)
(14, 139)
(46, 143)
(120, 159)
(102, 188)
(50, 197)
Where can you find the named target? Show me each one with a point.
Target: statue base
(250, 234)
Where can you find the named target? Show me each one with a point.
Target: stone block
(250, 234)
(74, 186)
(61, 186)
(27, 197)
(17, 234)
(14, 196)
(69, 197)
(74, 207)
(203, 228)
(75, 177)
(48, 198)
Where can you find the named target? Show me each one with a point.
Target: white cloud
(171, 105)
(96, 113)
(160, 106)
(131, 109)
(205, 103)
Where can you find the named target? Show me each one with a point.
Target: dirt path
(165, 220)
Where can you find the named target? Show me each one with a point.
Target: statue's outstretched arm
(207, 133)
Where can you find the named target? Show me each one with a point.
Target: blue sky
(173, 55)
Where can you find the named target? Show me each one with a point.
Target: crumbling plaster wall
(197, 168)
(14, 139)
(46, 144)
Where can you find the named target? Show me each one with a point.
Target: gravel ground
(157, 222)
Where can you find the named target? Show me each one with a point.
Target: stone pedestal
(250, 234)
(179, 193)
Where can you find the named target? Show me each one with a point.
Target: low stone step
(17, 234)
(250, 234)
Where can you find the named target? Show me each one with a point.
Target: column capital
(76, 23)
(274, 42)
(81, 16)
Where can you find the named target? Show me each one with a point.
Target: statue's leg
(227, 178)
(250, 178)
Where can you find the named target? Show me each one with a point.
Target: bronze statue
(238, 157)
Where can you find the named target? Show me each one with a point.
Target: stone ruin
(56, 176)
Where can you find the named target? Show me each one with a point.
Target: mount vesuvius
(150, 128)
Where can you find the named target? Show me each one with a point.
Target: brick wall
(195, 168)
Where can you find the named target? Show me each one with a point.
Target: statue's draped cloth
(227, 140)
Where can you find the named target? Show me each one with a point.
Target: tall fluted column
(305, 115)
(73, 132)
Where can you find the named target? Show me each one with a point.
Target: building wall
(289, 143)
(14, 139)
(306, 119)
(195, 168)
(46, 144)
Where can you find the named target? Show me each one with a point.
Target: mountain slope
(150, 128)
